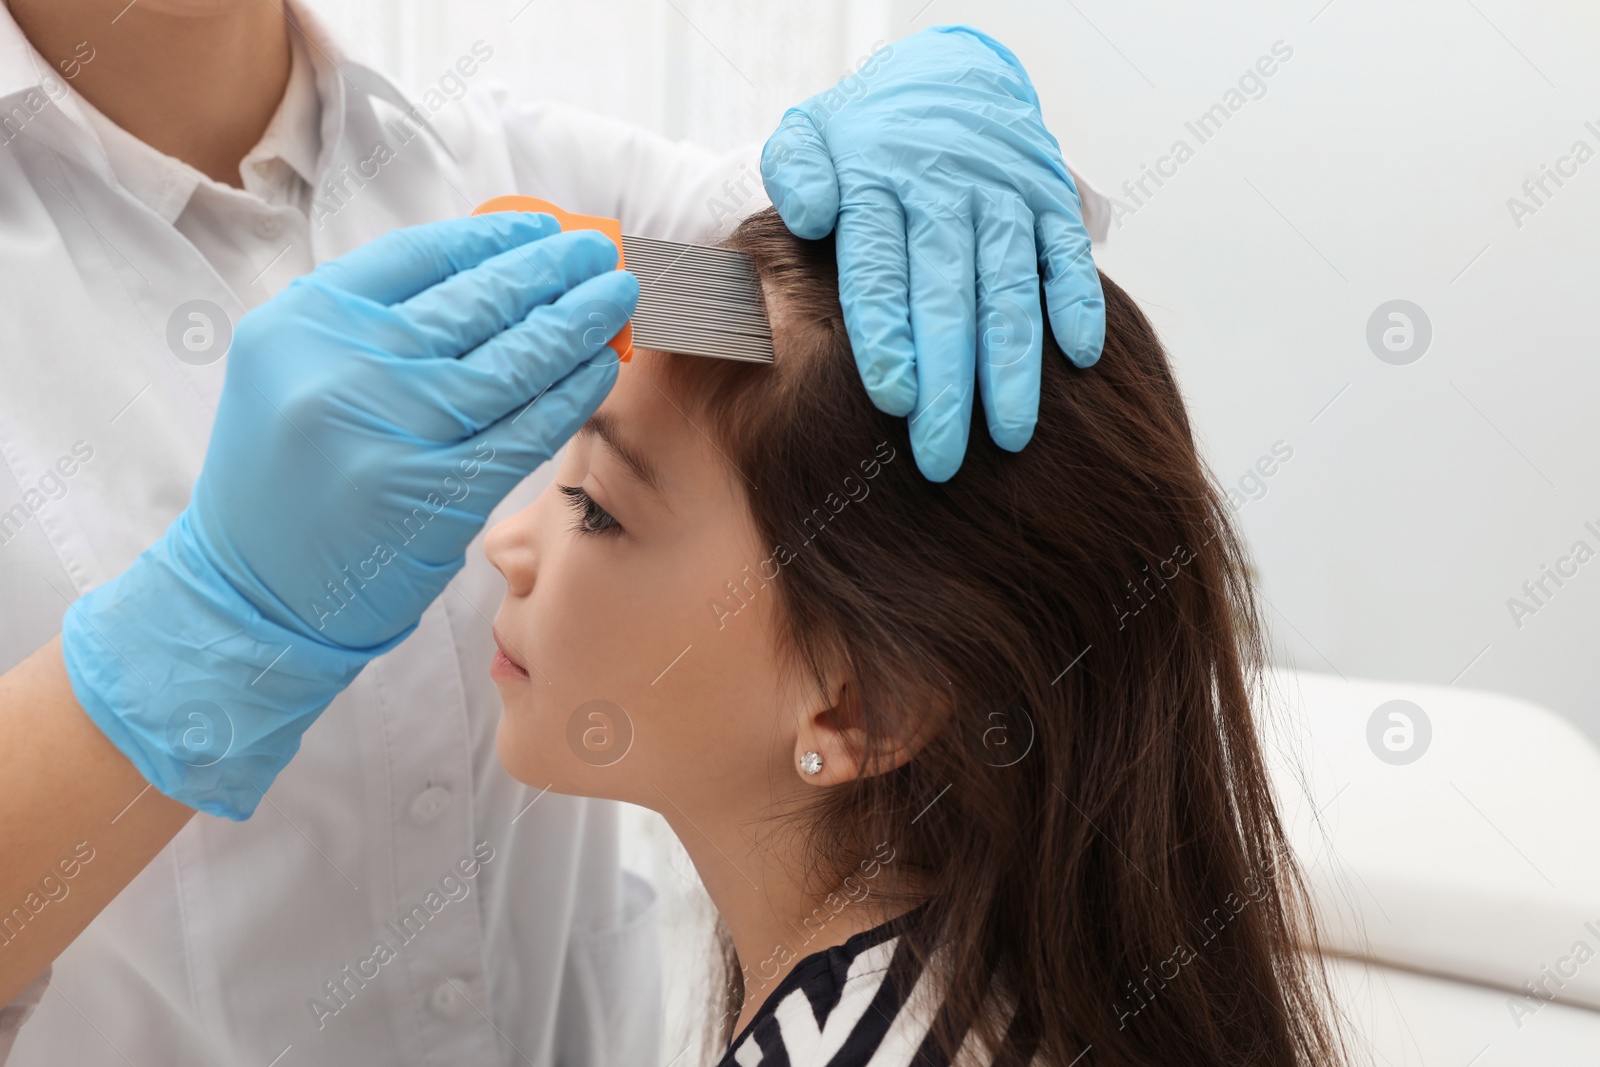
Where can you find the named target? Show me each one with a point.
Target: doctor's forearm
(77, 820)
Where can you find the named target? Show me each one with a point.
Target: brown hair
(1090, 825)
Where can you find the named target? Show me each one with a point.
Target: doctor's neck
(196, 79)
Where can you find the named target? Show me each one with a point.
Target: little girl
(968, 768)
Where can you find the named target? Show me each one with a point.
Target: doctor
(227, 544)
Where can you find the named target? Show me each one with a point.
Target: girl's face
(628, 666)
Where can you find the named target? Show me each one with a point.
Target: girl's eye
(589, 518)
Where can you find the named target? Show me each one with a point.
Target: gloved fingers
(1071, 287)
(509, 450)
(800, 178)
(403, 263)
(1010, 320)
(504, 374)
(943, 325)
(469, 308)
(875, 292)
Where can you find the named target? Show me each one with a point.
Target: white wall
(1376, 166)
(720, 73)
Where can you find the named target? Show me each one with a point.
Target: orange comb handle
(622, 343)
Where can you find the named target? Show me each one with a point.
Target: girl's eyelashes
(589, 517)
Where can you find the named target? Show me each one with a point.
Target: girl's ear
(832, 743)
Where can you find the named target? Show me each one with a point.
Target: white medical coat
(215, 953)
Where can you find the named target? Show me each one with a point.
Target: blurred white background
(1375, 164)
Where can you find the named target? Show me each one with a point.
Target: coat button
(268, 227)
(426, 805)
(447, 1002)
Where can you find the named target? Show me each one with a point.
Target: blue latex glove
(371, 417)
(950, 199)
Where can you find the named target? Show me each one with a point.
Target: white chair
(1453, 855)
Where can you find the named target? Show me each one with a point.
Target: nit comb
(693, 299)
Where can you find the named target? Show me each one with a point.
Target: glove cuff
(206, 696)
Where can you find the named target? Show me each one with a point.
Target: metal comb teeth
(697, 300)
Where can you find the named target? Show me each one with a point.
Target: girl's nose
(512, 548)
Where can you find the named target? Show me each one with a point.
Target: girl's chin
(517, 751)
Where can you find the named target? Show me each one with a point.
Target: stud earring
(811, 763)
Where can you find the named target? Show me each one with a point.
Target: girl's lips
(503, 666)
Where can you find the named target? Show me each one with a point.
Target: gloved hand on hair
(372, 415)
(950, 200)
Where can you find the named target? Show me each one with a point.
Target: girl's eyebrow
(604, 426)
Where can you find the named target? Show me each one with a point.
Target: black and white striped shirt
(866, 1003)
